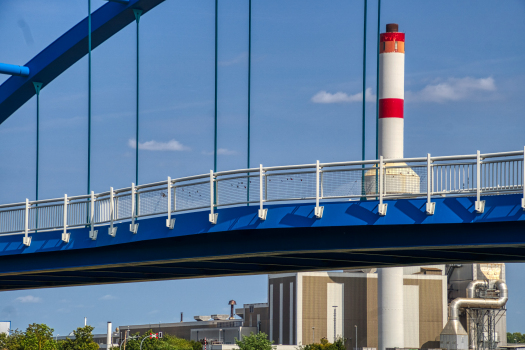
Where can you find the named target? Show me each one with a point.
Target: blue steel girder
(106, 21)
(350, 235)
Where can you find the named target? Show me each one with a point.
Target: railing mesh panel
(154, 202)
(123, 206)
(235, 190)
(344, 183)
(192, 196)
(289, 186)
(405, 180)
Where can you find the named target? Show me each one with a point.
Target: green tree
(515, 337)
(196, 345)
(39, 337)
(13, 341)
(83, 340)
(255, 342)
(339, 344)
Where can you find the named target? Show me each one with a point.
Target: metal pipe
(459, 303)
(473, 285)
(13, 69)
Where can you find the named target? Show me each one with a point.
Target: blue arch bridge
(318, 216)
(305, 217)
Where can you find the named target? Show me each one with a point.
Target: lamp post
(335, 322)
(355, 337)
(313, 335)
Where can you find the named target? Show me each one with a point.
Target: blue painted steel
(13, 69)
(68, 49)
(350, 234)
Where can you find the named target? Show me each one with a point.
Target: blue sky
(464, 82)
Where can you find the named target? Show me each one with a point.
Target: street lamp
(355, 337)
(313, 335)
(335, 322)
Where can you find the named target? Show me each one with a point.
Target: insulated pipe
(459, 303)
(13, 69)
(473, 285)
(391, 92)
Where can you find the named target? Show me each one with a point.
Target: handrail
(383, 179)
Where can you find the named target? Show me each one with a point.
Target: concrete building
(305, 307)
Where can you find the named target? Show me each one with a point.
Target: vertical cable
(377, 76)
(37, 86)
(137, 13)
(363, 137)
(249, 90)
(377, 82)
(215, 134)
(89, 100)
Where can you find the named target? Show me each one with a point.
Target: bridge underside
(246, 252)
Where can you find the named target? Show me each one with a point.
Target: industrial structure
(453, 307)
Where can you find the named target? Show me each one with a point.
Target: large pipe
(459, 303)
(13, 69)
(473, 285)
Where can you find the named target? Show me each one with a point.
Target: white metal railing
(426, 177)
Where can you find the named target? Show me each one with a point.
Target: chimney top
(392, 28)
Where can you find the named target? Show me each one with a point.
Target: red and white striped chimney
(391, 124)
(391, 92)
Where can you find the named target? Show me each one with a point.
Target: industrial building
(305, 307)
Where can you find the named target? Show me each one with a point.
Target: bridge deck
(349, 235)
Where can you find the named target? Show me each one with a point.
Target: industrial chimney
(232, 303)
(391, 124)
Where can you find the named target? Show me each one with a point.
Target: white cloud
(341, 97)
(221, 152)
(108, 297)
(28, 299)
(453, 89)
(172, 145)
(243, 57)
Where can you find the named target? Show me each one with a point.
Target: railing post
(27, 239)
(213, 216)
(523, 181)
(381, 209)
(112, 231)
(479, 204)
(133, 227)
(170, 223)
(431, 206)
(262, 211)
(318, 210)
(65, 235)
(93, 233)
